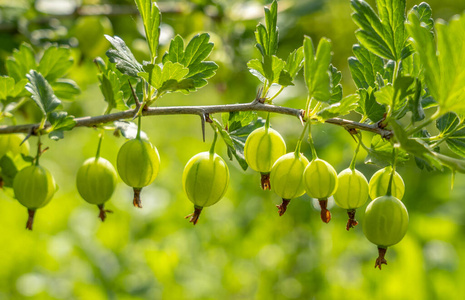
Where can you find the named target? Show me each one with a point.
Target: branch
(201, 111)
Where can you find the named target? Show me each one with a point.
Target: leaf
(336, 87)
(22, 61)
(394, 96)
(384, 35)
(415, 103)
(198, 49)
(61, 121)
(235, 120)
(380, 153)
(295, 62)
(342, 108)
(444, 63)
(55, 63)
(424, 12)
(42, 92)
(317, 77)
(151, 17)
(125, 61)
(7, 86)
(65, 89)
(272, 70)
(456, 142)
(447, 123)
(364, 67)
(170, 78)
(112, 85)
(128, 130)
(267, 37)
(8, 170)
(368, 106)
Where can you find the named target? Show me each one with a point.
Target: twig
(200, 111)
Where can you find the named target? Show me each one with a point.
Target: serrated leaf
(368, 106)
(22, 61)
(295, 62)
(65, 89)
(424, 12)
(151, 17)
(271, 70)
(384, 35)
(122, 56)
(42, 92)
(447, 123)
(235, 120)
(336, 87)
(456, 142)
(444, 63)
(55, 63)
(168, 79)
(380, 153)
(341, 108)
(394, 96)
(316, 66)
(128, 130)
(364, 67)
(415, 103)
(61, 121)
(267, 37)
(7, 86)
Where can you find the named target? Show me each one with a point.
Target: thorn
(134, 95)
(301, 117)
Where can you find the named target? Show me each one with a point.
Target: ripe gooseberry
(138, 163)
(386, 222)
(379, 182)
(34, 187)
(352, 193)
(286, 178)
(262, 148)
(320, 181)
(205, 180)
(96, 182)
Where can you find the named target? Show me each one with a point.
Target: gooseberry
(386, 222)
(96, 182)
(138, 163)
(205, 180)
(286, 178)
(352, 193)
(379, 182)
(34, 187)
(262, 148)
(320, 181)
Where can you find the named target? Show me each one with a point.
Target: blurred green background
(241, 248)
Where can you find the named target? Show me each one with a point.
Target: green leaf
(341, 108)
(8, 170)
(444, 64)
(7, 86)
(272, 70)
(235, 120)
(394, 96)
(55, 63)
(316, 66)
(456, 141)
(168, 79)
(151, 17)
(415, 103)
(447, 123)
(65, 89)
(425, 14)
(368, 106)
(267, 37)
(384, 35)
(198, 49)
(112, 85)
(61, 121)
(364, 67)
(380, 153)
(22, 61)
(336, 87)
(125, 61)
(295, 62)
(42, 92)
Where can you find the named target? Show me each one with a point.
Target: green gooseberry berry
(386, 222)
(320, 181)
(352, 193)
(379, 182)
(96, 182)
(34, 187)
(205, 180)
(262, 148)
(286, 178)
(138, 163)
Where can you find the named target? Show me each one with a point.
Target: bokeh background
(241, 248)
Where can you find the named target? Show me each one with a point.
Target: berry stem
(215, 137)
(97, 155)
(325, 214)
(30, 219)
(354, 159)
(283, 206)
(194, 217)
(381, 260)
(310, 141)
(139, 126)
(393, 171)
(299, 141)
(351, 223)
(136, 202)
(267, 123)
(103, 212)
(265, 181)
